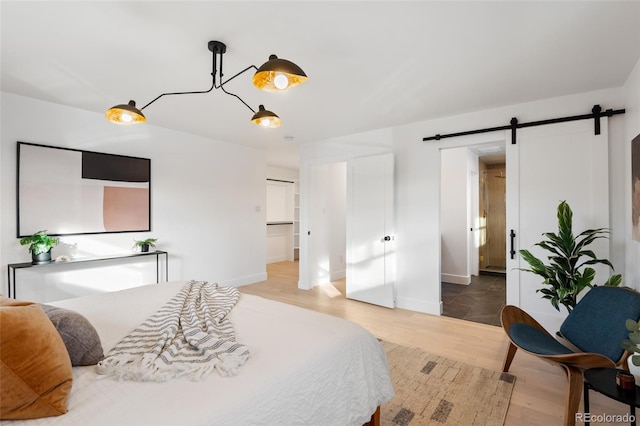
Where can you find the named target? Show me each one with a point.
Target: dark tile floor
(480, 301)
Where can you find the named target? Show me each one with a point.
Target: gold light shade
(266, 118)
(125, 114)
(277, 75)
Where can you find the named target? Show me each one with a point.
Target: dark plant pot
(144, 248)
(38, 259)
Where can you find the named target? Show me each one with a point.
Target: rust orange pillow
(35, 368)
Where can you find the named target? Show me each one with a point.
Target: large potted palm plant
(568, 271)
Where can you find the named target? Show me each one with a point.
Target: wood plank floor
(539, 393)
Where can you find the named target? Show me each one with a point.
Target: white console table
(12, 267)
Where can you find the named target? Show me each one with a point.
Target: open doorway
(473, 232)
(349, 233)
(326, 228)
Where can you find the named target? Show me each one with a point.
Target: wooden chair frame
(573, 364)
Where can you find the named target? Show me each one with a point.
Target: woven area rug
(432, 390)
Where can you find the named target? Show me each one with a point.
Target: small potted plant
(632, 345)
(144, 245)
(40, 245)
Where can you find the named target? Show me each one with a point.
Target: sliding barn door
(370, 239)
(547, 165)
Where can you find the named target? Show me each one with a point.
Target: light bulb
(126, 118)
(265, 122)
(281, 81)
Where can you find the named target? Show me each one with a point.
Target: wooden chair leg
(508, 358)
(574, 393)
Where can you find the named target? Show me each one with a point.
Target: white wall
(631, 247)
(417, 166)
(454, 226)
(208, 197)
(282, 173)
(336, 211)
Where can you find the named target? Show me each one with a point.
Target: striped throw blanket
(189, 337)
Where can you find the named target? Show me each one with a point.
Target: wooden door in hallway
(493, 213)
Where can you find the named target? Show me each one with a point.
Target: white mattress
(305, 368)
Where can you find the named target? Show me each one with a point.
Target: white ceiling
(371, 64)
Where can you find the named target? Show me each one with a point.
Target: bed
(305, 368)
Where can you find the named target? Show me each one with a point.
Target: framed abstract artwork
(70, 191)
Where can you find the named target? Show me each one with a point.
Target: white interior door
(370, 258)
(547, 165)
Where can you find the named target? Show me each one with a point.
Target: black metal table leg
(586, 402)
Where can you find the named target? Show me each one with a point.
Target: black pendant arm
(220, 86)
(217, 49)
(182, 93)
(236, 75)
(239, 98)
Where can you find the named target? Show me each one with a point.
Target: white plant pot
(633, 369)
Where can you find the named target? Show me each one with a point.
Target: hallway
(480, 301)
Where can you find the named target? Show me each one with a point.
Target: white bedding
(305, 368)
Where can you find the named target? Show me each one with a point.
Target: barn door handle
(512, 234)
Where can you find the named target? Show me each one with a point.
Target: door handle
(386, 238)
(512, 236)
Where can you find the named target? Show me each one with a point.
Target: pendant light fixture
(278, 74)
(125, 114)
(266, 118)
(275, 75)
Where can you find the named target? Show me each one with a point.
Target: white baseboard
(456, 279)
(249, 279)
(274, 259)
(338, 275)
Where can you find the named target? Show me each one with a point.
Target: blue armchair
(592, 333)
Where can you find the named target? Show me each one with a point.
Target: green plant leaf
(614, 280)
(39, 242)
(550, 246)
(567, 273)
(627, 345)
(632, 325)
(151, 242)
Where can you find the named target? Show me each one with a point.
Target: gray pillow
(79, 336)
